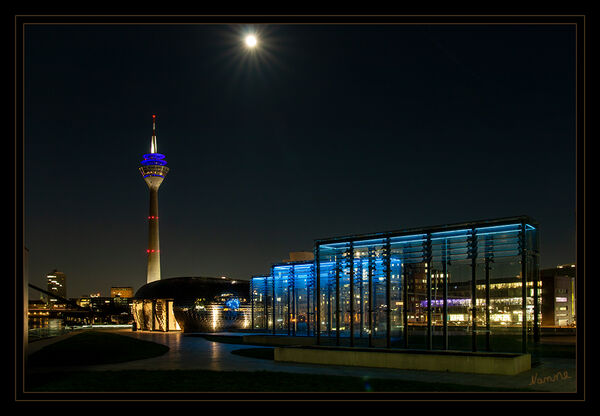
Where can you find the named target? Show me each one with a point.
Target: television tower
(154, 169)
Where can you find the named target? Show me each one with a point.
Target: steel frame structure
(392, 286)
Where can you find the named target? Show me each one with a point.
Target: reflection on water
(47, 327)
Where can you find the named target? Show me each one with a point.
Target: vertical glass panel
(480, 306)
(270, 309)
(300, 298)
(396, 298)
(505, 304)
(327, 300)
(280, 275)
(398, 251)
(533, 258)
(360, 294)
(311, 300)
(459, 303)
(252, 297)
(361, 291)
(411, 249)
(258, 292)
(379, 297)
(344, 262)
(437, 302)
(417, 304)
(531, 246)
(290, 286)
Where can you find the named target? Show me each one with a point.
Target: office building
(558, 296)
(121, 292)
(57, 284)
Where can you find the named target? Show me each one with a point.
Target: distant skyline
(324, 130)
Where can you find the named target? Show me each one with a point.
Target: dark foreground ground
(229, 381)
(63, 367)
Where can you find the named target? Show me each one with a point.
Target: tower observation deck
(154, 169)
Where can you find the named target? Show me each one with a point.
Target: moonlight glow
(251, 41)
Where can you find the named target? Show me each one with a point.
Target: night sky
(321, 131)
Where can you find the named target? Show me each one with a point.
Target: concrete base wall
(278, 340)
(274, 340)
(480, 363)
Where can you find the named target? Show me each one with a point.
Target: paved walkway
(188, 352)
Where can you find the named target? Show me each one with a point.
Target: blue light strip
(500, 232)
(154, 159)
(451, 232)
(155, 156)
(154, 162)
(514, 226)
(362, 243)
(335, 246)
(416, 238)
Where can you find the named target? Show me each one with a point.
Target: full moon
(251, 41)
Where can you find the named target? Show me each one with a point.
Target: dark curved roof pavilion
(185, 290)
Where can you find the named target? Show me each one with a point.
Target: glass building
(470, 286)
(284, 301)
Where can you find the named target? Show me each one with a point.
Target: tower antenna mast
(153, 144)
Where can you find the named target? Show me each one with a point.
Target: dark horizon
(326, 131)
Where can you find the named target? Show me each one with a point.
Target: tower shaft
(153, 181)
(153, 238)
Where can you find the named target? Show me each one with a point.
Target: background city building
(300, 256)
(558, 296)
(121, 292)
(57, 284)
(85, 310)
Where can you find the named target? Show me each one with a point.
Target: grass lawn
(95, 347)
(231, 381)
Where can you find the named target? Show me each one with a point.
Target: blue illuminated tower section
(154, 169)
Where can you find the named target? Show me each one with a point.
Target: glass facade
(471, 286)
(284, 301)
